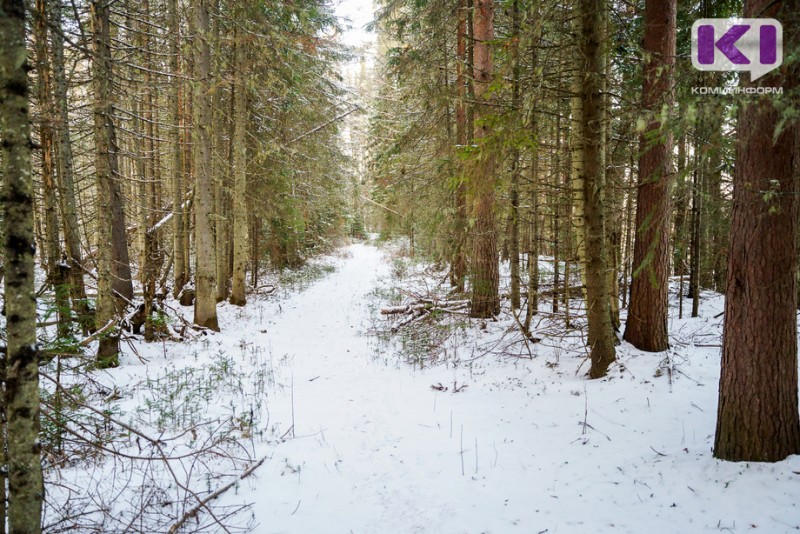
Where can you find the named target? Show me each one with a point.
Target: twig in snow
(658, 453)
(462, 450)
(296, 508)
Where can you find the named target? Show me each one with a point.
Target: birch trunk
(26, 487)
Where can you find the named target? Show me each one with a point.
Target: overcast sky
(360, 13)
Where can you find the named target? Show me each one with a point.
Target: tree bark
(485, 264)
(239, 148)
(56, 270)
(26, 486)
(150, 254)
(600, 337)
(757, 417)
(646, 327)
(205, 304)
(178, 252)
(576, 177)
(220, 213)
(516, 106)
(106, 168)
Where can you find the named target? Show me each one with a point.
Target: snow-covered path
(371, 447)
(375, 449)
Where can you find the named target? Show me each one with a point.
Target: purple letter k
(726, 44)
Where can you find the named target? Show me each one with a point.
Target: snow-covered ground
(357, 440)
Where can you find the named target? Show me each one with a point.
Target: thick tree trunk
(757, 417)
(485, 264)
(26, 487)
(105, 167)
(122, 279)
(239, 148)
(646, 327)
(601, 339)
(205, 304)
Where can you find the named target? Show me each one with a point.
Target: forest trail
(376, 449)
(369, 438)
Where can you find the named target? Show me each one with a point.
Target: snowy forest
(452, 266)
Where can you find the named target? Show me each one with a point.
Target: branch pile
(422, 307)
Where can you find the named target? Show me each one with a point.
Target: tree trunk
(105, 166)
(601, 340)
(56, 269)
(694, 268)
(64, 167)
(757, 418)
(556, 207)
(646, 327)
(122, 279)
(485, 264)
(576, 178)
(533, 128)
(26, 487)
(121, 264)
(179, 254)
(459, 266)
(516, 106)
(613, 204)
(205, 304)
(239, 149)
(150, 255)
(220, 216)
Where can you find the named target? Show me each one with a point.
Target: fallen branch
(219, 491)
(427, 305)
(108, 326)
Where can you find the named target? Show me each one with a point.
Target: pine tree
(646, 327)
(757, 416)
(485, 263)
